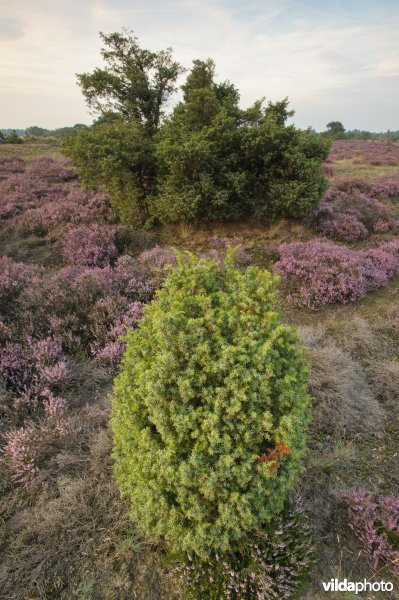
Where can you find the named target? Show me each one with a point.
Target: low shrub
(52, 171)
(219, 246)
(319, 272)
(26, 447)
(349, 212)
(387, 187)
(210, 408)
(272, 564)
(90, 246)
(14, 277)
(10, 166)
(374, 518)
(345, 227)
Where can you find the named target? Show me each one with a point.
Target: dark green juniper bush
(207, 160)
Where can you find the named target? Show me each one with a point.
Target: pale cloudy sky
(335, 60)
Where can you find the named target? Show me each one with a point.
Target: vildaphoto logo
(334, 585)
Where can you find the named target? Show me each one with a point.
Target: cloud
(10, 29)
(317, 56)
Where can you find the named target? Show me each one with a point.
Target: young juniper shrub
(210, 409)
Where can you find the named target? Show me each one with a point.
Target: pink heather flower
(319, 272)
(90, 245)
(158, 259)
(374, 519)
(22, 450)
(381, 226)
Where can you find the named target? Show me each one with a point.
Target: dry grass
(343, 402)
(73, 537)
(31, 151)
(347, 168)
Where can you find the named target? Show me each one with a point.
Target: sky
(335, 60)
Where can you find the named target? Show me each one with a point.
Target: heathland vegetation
(248, 338)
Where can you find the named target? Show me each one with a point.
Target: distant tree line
(17, 136)
(337, 131)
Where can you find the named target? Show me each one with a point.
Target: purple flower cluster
(80, 304)
(270, 565)
(78, 309)
(91, 245)
(387, 187)
(374, 518)
(158, 260)
(52, 171)
(83, 309)
(319, 272)
(113, 347)
(10, 166)
(46, 197)
(29, 367)
(14, 277)
(348, 212)
(25, 447)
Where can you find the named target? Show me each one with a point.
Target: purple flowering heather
(374, 518)
(319, 272)
(90, 246)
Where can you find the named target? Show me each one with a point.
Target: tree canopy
(135, 82)
(209, 159)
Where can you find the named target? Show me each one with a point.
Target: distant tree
(335, 129)
(136, 83)
(36, 131)
(13, 138)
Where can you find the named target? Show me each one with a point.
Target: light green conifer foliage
(211, 383)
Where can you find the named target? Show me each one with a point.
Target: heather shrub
(22, 451)
(10, 165)
(158, 260)
(67, 207)
(327, 170)
(271, 564)
(368, 208)
(27, 447)
(51, 171)
(109, 350)
(137, 281)
(32, 365)
(374, 518)
(82, 304)
(372, 152)
(210, 409)
(348, 212)
(90, 246)
(14, 277)
(379, 267)
(381, 226)
(345, 227)
(319, 272)
(387, 187)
